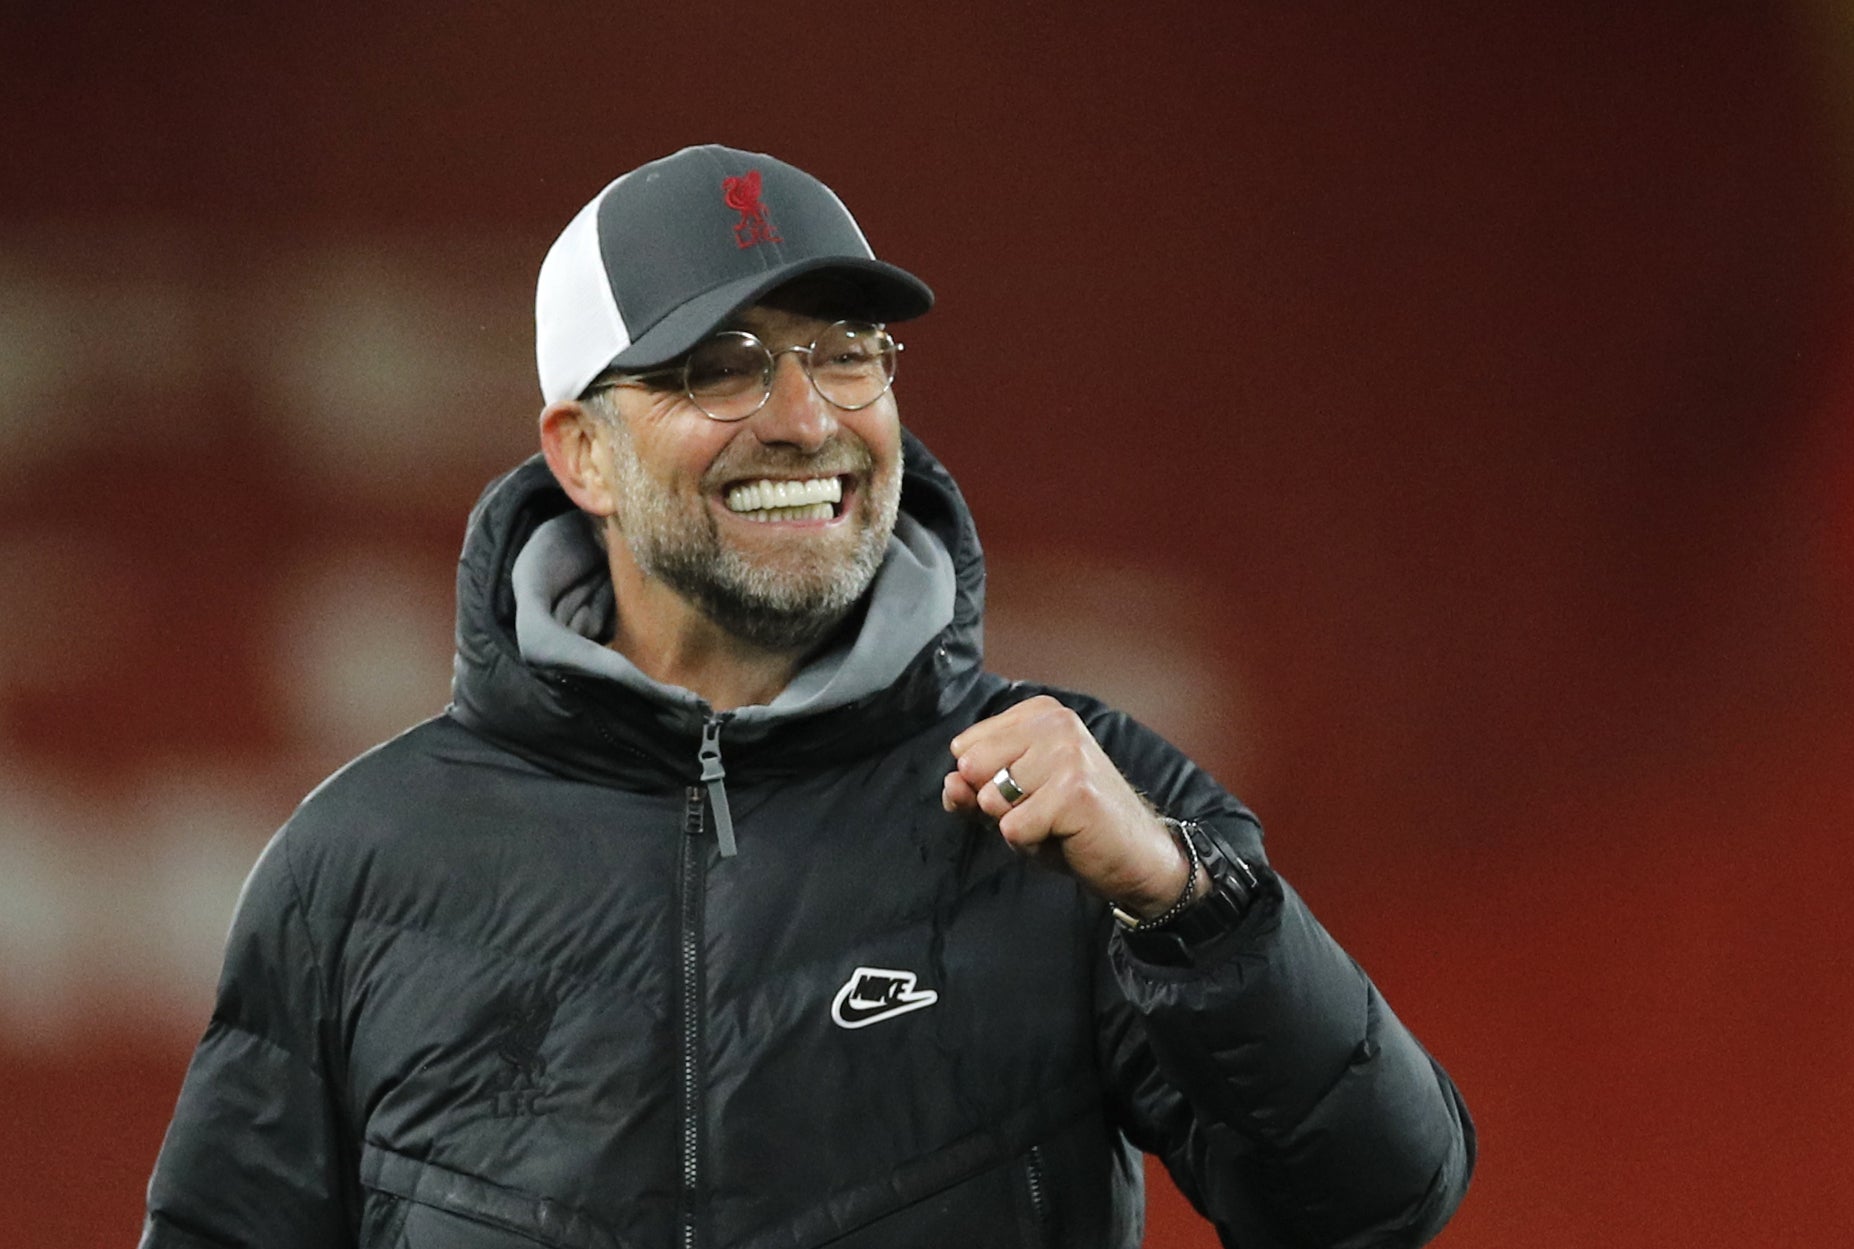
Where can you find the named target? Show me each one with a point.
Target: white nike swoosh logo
(873, 994)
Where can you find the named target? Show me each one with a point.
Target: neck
(671, 641)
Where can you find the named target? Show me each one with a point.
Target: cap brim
(886, 293)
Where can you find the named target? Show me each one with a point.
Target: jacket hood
(575, 708)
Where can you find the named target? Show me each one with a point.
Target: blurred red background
(1436, 417)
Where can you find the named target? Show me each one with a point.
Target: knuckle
(1022, 829)
(1072, 758)
(1043, 707)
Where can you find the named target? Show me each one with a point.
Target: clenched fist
(1073, 804)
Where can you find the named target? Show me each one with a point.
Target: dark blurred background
(1434, 416)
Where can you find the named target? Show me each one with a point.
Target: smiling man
(746, 494)
(732, 902)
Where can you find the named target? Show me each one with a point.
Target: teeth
(809, 511)
(770, 497)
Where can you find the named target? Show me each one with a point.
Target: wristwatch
(1176, 938)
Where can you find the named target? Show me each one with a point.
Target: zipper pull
(714, 777)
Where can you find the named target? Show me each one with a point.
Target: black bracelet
(1235, 886)
(1133, 923)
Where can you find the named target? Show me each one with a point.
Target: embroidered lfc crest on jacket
(520, 1082)
(873, 994)
(742, 194)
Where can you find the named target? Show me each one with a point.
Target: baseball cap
(667, 252)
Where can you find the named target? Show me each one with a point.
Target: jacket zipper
(715, 778)
(690, 952)
(1039, 1198)
(713, 788)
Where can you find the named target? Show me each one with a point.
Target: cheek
(879, 426)
(680, 459)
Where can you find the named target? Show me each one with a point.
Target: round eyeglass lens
(852, 364)
(728, 375)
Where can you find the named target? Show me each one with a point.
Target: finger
(1032, 757)
(1030, 775)
(1010, 786)
(1072, 762)
(1027, 825)
(1005, 722)
(981, 764)
(1006, 739)
(993, 802)
(958, 795)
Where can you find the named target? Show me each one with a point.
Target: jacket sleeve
(254, 1154)
(1286, 1099)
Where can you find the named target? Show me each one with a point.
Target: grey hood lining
(565, 609)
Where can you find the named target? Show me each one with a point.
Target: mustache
(842, 454)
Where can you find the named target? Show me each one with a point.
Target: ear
(571, 439)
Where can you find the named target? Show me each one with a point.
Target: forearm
(1279, 1046)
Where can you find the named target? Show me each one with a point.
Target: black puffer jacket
(495, 985)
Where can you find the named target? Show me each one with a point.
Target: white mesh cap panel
(577, 325)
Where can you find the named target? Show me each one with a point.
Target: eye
(852, 354)
(849, 349)
(726, 365)
(707, 372)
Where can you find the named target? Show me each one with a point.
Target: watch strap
(1234, 887)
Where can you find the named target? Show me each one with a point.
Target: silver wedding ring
(1008, 787)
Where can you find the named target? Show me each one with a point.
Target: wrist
(1230, 888)
(1171, 892)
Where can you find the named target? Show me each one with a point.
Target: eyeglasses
(730, 374)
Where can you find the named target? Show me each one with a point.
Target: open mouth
(805, 498)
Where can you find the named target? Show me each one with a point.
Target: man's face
(693, 493)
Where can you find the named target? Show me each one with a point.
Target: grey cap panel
(676, 264)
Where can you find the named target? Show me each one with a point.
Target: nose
(794, 412)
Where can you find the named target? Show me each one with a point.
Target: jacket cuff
(1215, 930)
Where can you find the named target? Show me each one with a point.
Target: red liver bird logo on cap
(742, 194)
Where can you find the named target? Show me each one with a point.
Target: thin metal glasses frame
(613, 381)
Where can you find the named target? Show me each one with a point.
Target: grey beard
(761, 608)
